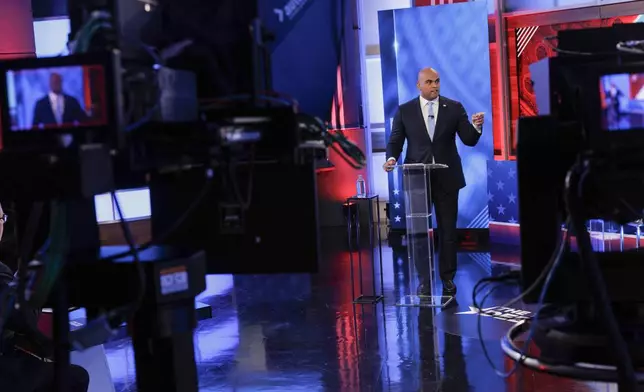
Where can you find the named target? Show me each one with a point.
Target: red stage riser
(506, 243)
(423, 3)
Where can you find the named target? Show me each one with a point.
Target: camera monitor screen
(60, 97)
(622, 101)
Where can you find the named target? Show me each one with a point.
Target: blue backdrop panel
(453, 39)
(502, 191)
(309, 42)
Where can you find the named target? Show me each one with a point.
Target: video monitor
(622, 101)
(56, 97)
(77, 96)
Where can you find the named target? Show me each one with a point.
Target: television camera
(582, 159)
(212, 158)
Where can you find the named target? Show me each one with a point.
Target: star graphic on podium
(396, 205)
(490, 196)
(499, 185)
(511, 173)
(512, 220)
(501, 209)
(512, 198)
(489, 172)
(396, 192)
(474, 310)
(397, 218)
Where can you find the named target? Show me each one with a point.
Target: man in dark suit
(57, 108)
(429, 124)
(24, 349)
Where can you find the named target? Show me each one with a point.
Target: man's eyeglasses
(4, 218)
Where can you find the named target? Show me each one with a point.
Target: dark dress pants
(445, 205)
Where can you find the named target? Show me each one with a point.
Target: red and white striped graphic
(443, 2)
(524, 35)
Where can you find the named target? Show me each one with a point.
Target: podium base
(368, 299)
(425, 301)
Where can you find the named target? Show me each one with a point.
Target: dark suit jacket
(21, 372)
(21, 325)
(409, 124)
(44, 114)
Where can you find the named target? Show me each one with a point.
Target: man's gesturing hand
(478, 119)
(389, 165)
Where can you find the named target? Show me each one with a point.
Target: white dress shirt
(424, 107)
(57, 102)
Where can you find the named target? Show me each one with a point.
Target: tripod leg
(638, 235)
(164, 355)
(61, 336)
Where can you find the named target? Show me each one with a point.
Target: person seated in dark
(25, 352)
(57, 108)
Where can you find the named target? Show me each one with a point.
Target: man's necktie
(59, 110)
(431, 123)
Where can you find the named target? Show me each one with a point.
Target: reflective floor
(303, 333)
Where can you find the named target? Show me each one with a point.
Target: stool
(351, 219)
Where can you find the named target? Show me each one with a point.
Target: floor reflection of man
(454, 374)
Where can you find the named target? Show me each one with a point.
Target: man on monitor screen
(614, 97)
(429, 124)
(57, 108)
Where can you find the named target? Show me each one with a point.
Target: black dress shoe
(449, 287)
(448, 302)
(424, 290)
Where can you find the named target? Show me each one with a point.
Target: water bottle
(361, 187)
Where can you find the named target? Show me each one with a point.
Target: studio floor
(303, 333)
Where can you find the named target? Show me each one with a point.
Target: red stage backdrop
(16, 30)
(637, 83)
(530, 45)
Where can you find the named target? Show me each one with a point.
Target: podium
(423, 288)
